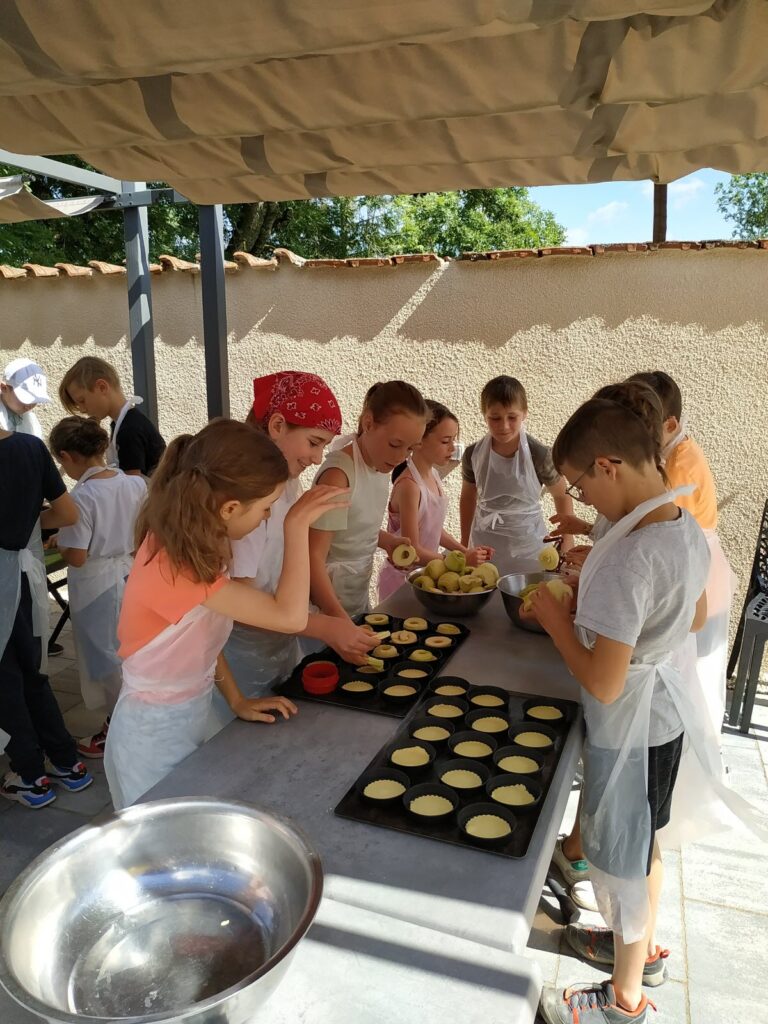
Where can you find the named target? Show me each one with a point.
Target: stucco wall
(564, 325)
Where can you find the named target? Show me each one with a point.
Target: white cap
(28, 382)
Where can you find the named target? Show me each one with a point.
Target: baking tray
(375, 702)
(394, 815)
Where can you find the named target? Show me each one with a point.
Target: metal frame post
(211, 223)
(136, 230)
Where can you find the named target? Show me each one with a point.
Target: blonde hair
(225, 461)
(84, 374)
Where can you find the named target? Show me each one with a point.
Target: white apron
(508, 516)
(162, 713)
(615, 819)
(12, 564)
(111, 455)
(257, 657)
(432, 510)
(351, 575)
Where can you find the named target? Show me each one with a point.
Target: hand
(476, 556)
(52, 542)
(314, 503)
(566, 543)
(566, 522)
(554, 615)
(256, 709)
(575, 558)
(350, 641)
(389, 541)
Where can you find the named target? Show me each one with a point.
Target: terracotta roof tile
(325, 263)
(247, 259)
(762, 243)
(732, 243)
(370, 261)
(106, 268)
(599, 250)
(566, 250)
(175, 264)
(71, 270)
(417, 257)
(289, 257)
(36, 270)
(685, 246)
(9, 273)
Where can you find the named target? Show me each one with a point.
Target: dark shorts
(663, 763)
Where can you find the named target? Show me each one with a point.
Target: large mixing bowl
(175, 911)
(452, 606)
(510, 587)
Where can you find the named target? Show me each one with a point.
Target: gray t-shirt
(644, 595)
(541, 456)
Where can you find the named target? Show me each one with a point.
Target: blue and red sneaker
(35, 794)
(74, 778)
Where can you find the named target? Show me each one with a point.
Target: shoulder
(467, 472)
(338, 464)
(541, 455)
(137, 422)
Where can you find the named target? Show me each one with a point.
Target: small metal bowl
(458, 606)
(510, 587)
(177, 910)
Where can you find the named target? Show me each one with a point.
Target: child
(24, 386)
(342, 544)
(93, 387)
(503, 475)
(640, 593)
(99, 551)
(29, 713)
(685, 463)
(300, 414)
(179, 602)
(418, 503)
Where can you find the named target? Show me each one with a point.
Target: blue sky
(622, 211)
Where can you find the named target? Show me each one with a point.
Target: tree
(744, 200)
(447, 223)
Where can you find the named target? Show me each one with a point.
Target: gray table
(302, 768)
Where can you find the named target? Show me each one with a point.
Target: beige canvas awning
(18, 204)
(285, 99)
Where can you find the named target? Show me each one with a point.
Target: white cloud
(683, 192)
(576, 236)
(646, 187)
(608, 213)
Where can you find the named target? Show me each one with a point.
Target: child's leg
(630, 958)
(572, 847)
(23, 749)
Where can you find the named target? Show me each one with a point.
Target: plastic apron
(162, 713)
(256, 657)
(615, 818)
(111, 455)
(12, 564)
(350, 576)
(432, 510)
(508, 516)
(95, 597)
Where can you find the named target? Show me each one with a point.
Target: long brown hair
(621, 419)
(387, 399)
(226, 461)
(80, 435)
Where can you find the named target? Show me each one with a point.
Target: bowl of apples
(450, 587)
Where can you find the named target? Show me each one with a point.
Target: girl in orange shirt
(179, 603)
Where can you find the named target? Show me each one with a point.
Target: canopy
(289, 99)
(18, 204)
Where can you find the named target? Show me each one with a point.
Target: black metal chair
(751, 635)
(55, 564)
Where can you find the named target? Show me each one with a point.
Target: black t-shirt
(28, 477)
(139, 444)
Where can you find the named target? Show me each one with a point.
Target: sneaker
(576, 876)
(588, 1004)
(74, 778)
(596, 945)
(55, 649)
(32, 794)
(93, 746)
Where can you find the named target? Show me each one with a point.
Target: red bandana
(304, 399)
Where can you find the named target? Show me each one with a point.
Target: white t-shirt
(27, 423)
(644, 595)
(248, 553)
(108, 511)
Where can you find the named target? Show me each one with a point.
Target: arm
(249, 709)
(565, 523)
(700, 616)
(563, 507)
(348, 640)
(286, 611)
(408, 498)
(63, 512)
(75, 557)
(602, 671)
(321, 589)
(389, 541)
(467, 505)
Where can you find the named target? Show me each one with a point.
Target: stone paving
(714, 913)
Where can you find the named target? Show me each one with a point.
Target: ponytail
(197, 474)
(384, 400)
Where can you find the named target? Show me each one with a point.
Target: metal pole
(211, 222)
(140, 303)
(659, 213)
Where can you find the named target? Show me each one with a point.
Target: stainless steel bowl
(174, 911)
(454, 606)
(510, 587)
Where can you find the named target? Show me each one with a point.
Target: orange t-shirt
(156, 598)
(687, 464)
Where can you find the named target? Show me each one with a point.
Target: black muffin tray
(394, 813)
(373, 701)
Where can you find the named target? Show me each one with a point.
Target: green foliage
(447, 223)
(744, 201)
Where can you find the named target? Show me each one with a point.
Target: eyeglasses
(574, 491)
